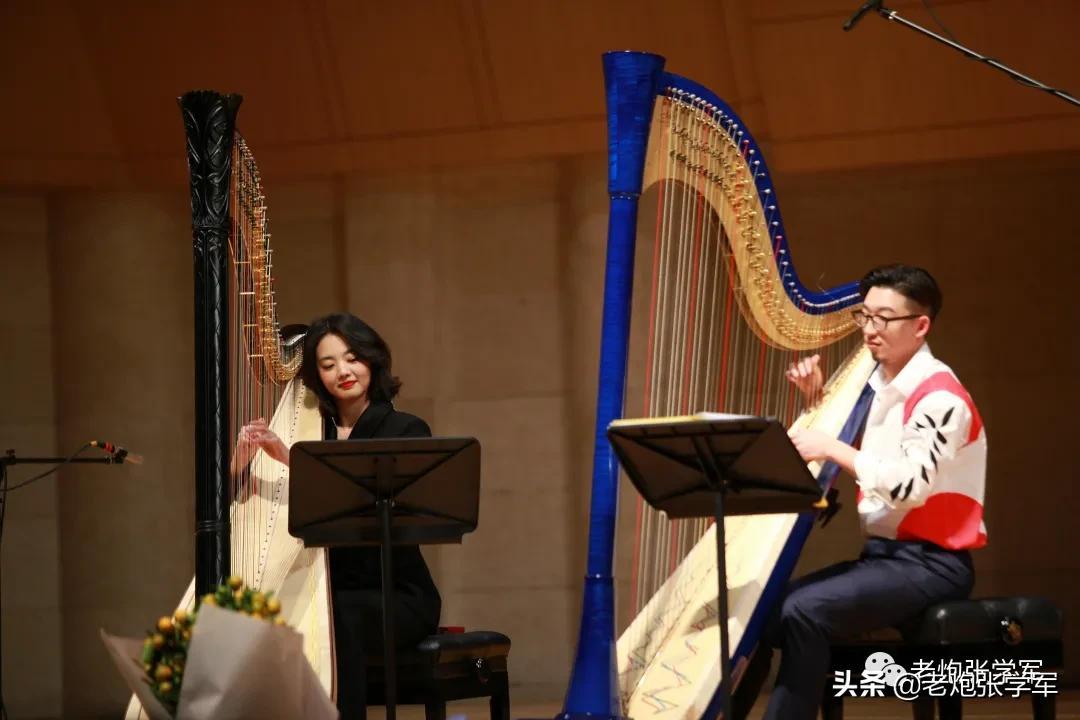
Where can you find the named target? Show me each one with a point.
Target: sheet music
(715, 416)
(697, 417)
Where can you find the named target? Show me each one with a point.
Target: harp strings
(703, 352)
(256, 364)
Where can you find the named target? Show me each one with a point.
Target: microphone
(867, 7)
(119, 454)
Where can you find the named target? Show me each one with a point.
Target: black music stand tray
(713, 465)
(401, 491)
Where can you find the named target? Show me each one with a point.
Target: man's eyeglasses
(880, 322)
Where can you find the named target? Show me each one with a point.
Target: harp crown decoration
(711, 157)
(630, 105)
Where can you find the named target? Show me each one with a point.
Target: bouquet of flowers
(165, 648)
(233, 656)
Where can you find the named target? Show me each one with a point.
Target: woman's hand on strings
(255, 436)
(806, 374)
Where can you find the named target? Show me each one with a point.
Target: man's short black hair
(914, 283)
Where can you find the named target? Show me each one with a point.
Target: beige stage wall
(487, 283)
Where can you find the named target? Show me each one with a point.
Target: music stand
(713, 465)
(401, 491)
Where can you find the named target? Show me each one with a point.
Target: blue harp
(703, 312)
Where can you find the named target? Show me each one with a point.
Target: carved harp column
(209, 122)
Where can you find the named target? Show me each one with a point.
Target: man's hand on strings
(255, 436)
(813, 445)
(816, 446)
(806, 374)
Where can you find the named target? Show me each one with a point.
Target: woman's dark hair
(914, 283)
(364, 342)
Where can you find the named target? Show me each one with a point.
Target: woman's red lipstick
(347, 385)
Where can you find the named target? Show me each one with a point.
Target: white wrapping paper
(237, 667)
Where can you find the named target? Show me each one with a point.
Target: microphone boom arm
(894, 16)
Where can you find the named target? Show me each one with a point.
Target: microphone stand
(10, 459)
(7, 461)
(893, 16)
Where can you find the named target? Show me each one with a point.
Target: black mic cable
(116, 453)
(48, 472)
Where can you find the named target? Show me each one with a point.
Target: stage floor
(854, 709)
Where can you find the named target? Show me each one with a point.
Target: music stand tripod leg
(722, 607)
(715, 477)
(385, 472)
